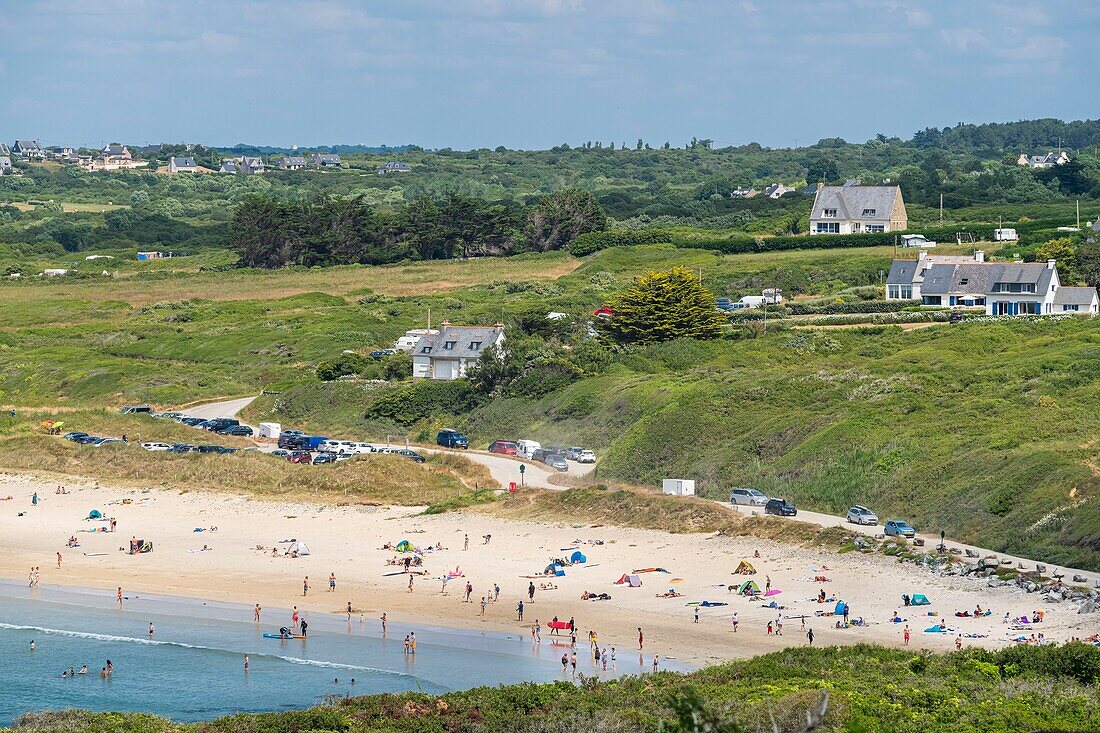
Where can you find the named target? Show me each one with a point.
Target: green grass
(868, 688)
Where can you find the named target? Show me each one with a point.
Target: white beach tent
(299, 547)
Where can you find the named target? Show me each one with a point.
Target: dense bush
(862, 306)
(591, 242)
(424, 399)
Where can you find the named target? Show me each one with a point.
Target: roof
(326, 158)
(183, 162)
(851, 201)
(463, 339)
(1075, 296)
(292, 160)
(115, 149)
(28, 145)
(978, 278)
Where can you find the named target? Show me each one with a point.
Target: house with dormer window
(856, 209)
(449, 353)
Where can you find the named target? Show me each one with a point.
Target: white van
(527, 448)
(1005, 235)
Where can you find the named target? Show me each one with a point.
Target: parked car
(218, 423)
(381, 354)
(74, 436)
(556, 461)
(280, 454)
(410, 454)
(301, 456)
(504, 447)
(241, 430)
(183, 448)
(527, 448)
(159, 447)
(171, 415)
(585, 456)
(898, 528)
(107, 441)
(192, 421)
(136, 410)
(540, 454)
(862, 515)
(325, 458)
(86, 440)
(780, 508)
(449, 438)
(747, 497)
(210, 448)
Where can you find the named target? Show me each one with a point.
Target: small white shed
(270, 430)
(678, 487)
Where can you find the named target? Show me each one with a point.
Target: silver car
(747, 497)
(556, 462)
(862, 515)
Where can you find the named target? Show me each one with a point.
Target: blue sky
(535, 73)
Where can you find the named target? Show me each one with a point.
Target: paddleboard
(276, 636)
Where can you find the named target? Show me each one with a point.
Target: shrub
(424, 399)
(591, 242)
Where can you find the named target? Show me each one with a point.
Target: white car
(156, 446)
(862, 515)
(586, 456)
(748, 497)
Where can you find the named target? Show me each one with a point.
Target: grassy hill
(868, 689)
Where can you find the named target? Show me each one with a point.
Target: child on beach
(332, 582)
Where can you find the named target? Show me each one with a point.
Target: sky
(535, 73)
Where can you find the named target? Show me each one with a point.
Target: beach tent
(841, 607)
(404, 546)
(577, 558)
(749, 586)
(299, 547)
(95, 514)
(745, 568)
(553, 569)
(919, 599)
(631, 580)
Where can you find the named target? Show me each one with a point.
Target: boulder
(1088, 606)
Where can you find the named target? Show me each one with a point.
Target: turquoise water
(193, 666)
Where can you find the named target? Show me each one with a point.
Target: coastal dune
(238, 566)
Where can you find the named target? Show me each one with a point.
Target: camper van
(527, 448)
(1005, 235)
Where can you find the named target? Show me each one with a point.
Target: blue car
(449, 438)
(898, 528)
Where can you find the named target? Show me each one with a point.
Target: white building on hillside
(450, 353)
(856, 209)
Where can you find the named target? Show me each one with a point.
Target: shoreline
(346, 541)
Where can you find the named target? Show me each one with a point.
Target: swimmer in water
(83, 669)
(32, 645)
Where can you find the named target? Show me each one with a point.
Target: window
(1014, 288)
(828, 227)
(964, 280)
(893, 292)
(906, 292)
(449, 344)
(874, 228)
(930, 300)
(426, 350)
(828, 214)
(475, 345)
(1068, 307)
(868, 212)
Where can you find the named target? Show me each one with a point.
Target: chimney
(1051, 264)
(979, 256)
(820, 185)
(921, 254)
(445, 323)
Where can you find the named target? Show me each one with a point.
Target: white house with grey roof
(856, 209)
(450, 353)
(182, 165)
(291, 163)
(1001, 288)
(326, 160)
(1043, 161)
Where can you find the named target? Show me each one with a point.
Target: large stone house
(856, 209)
(1001, 288)
(450, 353)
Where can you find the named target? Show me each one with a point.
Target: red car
(504, 447)
(603, 312)
(300, 456)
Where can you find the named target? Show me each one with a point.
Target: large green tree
(1064, 253)
(662, 306)
(563, 216)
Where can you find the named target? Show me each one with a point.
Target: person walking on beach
(641, 639)
(810, 637)
(332, 582)
(696, 614)
(734, 621)
(905, 635)
(304, 627)
(573, 662)
(564, 662)
(603, 659)
(614, 664)
(406, 645)
(465, 542)
(256, 613)
(59, 561)
(410, 582)
(496, 592)
(553, 626)
(767, 583)
(443, 590)
(349, 612)
(30, 577)
(958, 643)
(536, 632)
(119, 595)
(305, 585)
(483, 604)
(531, 591)
(469, 591)
(412, 643)
(383, 619)
(655, 663)
(779, 626)
(519, 611)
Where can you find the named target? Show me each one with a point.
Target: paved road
(225, 408)
(931, 542)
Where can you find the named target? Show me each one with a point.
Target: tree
(662, 306)
(1088, 262)
(563, 216)
(1064, 253)
(139, 199)
(820, 167)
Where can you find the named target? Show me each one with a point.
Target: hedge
(586, 244)
(862, 306)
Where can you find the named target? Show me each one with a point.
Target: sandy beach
(348, 542)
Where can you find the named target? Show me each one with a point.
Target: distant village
(116, 156)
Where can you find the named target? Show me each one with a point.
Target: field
(858, 688)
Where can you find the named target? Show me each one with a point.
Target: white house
(743, 193)
(326, 160)
(394, 166)
(450, 353)
(28, 149)
(776, 190)
(1001, 288)
(291, 163)
(229, 165)
(856, 209)
(1043, 161)
(182, 165)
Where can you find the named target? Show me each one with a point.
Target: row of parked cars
(553, 456)
(219, 425)
(856, 515)
(96, 441)
(298, 447)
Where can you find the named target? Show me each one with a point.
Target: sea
(192, 667)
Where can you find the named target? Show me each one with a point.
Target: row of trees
(329, 230)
